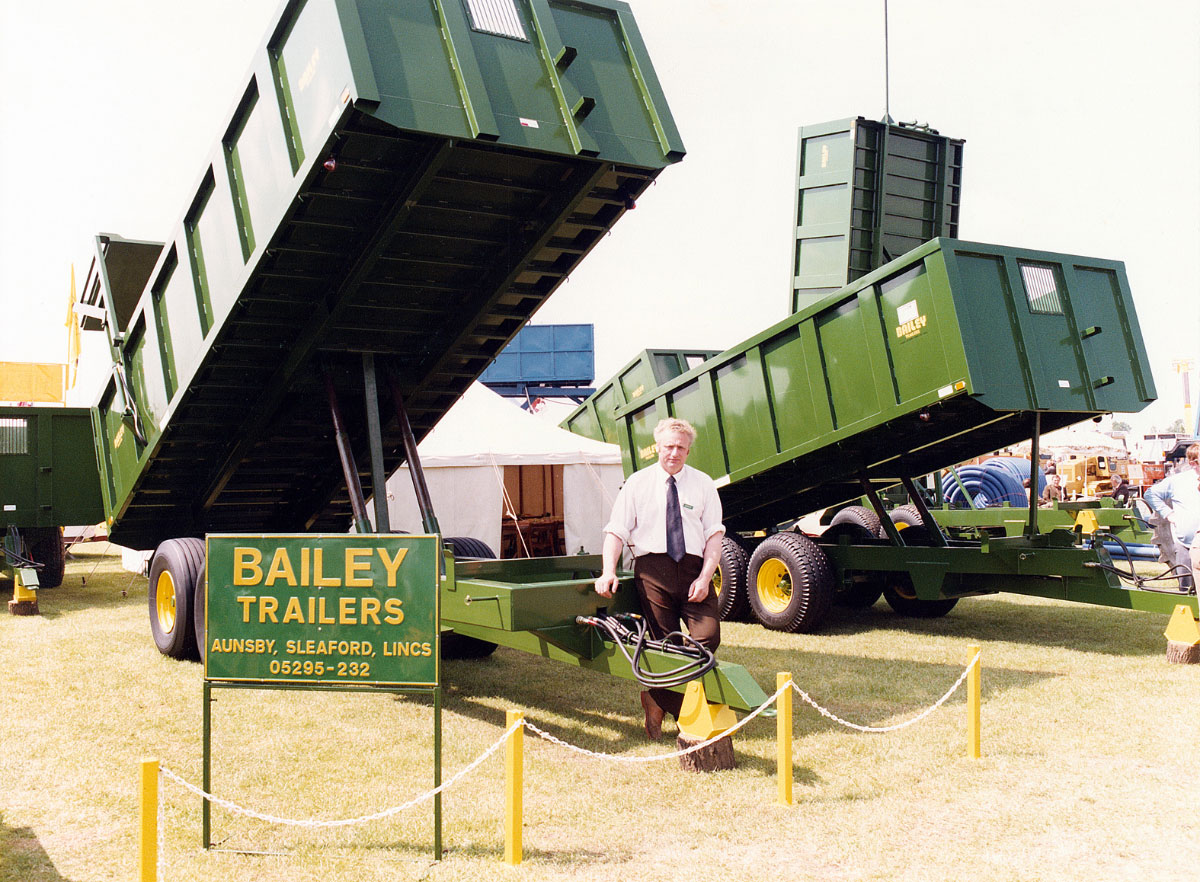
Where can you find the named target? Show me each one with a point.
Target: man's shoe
(654, 717)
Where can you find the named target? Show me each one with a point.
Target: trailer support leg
(349, 470)
(375, 444)
(1034, 455)
(24, 600)
(934, 528)
(876, 503)
(25, 580)
(420, 488)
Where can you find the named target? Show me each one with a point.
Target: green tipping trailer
(954, 350)
(48, 480)
(397, 188)
(394, 179)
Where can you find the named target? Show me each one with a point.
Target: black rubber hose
(22, 561)
(702, 660)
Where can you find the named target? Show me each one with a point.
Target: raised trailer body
(954, 350)
(395, 179)
(939, 356)
(398, 187)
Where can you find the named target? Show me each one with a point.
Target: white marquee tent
(464, 458)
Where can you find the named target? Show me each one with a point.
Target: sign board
(349, 609)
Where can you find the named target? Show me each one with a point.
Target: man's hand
(699, 590)
(606, 585)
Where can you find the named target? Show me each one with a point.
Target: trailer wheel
(729, 581)
(908, 515)
(864, 589)
(857, 514)
(465, 546)
(460, 646)
(791, 583)
(902, 597)
(46, 547)
(175, 571)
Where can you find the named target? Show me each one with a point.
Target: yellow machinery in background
(1091, 475)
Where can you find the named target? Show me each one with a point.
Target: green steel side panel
(937, 357)
(48, 471)
(390, 180)
(867, 193)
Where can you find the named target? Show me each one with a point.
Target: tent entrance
(533, 515)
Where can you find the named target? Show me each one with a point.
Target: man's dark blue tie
(675, 544)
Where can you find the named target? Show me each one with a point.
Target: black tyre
(460, 646)
(857, 514)
(862, 589)
(175, 571)
(791, 583)
(46, 547)
(729, 581)
(466, 547)
(908, 515)
(902, 597)
(199, 599)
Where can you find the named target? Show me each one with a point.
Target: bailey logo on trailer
(343, 609)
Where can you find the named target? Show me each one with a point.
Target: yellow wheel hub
(164, 602)
(716, 583)
(774, 585)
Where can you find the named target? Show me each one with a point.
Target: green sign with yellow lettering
(350, 609)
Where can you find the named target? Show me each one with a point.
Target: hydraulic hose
(21, 560)
(701, 660)
(1176, 572)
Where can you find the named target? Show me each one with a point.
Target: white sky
(1082, 122)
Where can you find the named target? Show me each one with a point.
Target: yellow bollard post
(513, 768)
(148, 831)
(974, 682)
(783, 729)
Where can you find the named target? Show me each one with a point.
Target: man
(1054, 489)
(670, 517)
(1120, 490)
(1176, 501)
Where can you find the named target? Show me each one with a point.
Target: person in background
(1120, 490)
(1054, 490)
(1175, 501)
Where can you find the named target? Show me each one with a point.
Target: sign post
(342, 612)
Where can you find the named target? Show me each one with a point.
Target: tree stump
(714, 758)
(1183, 653)
(23, 607)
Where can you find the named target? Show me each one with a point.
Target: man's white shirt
(639, 516)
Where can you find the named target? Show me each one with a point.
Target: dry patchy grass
(1091, 748)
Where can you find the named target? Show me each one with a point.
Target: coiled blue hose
(993, 482)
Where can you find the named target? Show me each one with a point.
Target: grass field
(1090, 768)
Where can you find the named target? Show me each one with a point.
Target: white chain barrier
(546, 736)
(345, 822)
(876, 729)
(658, 757)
